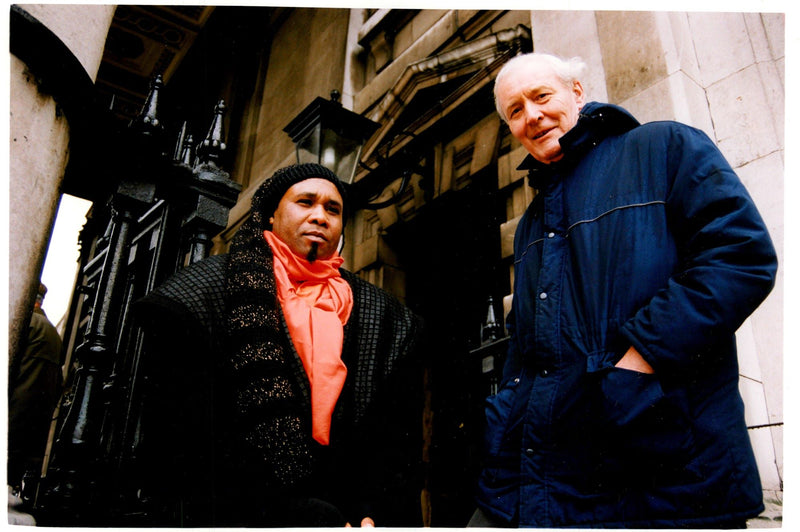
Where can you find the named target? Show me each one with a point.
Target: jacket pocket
(502, 417)
(648, 430)
(498, 484)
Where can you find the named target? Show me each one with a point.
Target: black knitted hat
(269, 194)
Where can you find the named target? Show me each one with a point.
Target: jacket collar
(596, 122)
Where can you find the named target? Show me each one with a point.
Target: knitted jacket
(217, 329)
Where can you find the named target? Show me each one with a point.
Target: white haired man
(639, 257)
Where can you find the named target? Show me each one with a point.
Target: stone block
(743, 121)
(676, 97)
(380, 51)
(485, 143)
(722, 44)
(582, 40)
(507, 230)
(772, 78)
(503, 171)
(775, 30)
(633, 55)
(755, 403)
(768, 333)
(761, 440)
(519, 200)
(764, 180)
(758, 37)
(422, 23)
(507, 172)
(445, 177)
(373, 251)
(777, 439)
(365, 254)
(677, 40)
(516, 158)
(748, 355)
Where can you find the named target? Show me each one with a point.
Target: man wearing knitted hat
(295, 409)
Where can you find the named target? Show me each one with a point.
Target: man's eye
(334, 210)
(304, 201)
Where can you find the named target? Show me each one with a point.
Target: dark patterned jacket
(229, 413)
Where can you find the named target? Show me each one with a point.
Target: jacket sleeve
(727, 262)
(177, 429)
(380, 452)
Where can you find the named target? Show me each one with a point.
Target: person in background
(289, 381)
(639, 257)
(34, 387)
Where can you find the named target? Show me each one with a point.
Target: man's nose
(532, 112)
(319, 215)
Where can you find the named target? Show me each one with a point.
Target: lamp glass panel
(308, 147)
(340, 154)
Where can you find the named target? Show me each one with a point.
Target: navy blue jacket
(642, 235)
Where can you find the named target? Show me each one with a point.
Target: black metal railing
(164, 209)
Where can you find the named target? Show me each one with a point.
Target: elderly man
(639, 257)
(288, 380)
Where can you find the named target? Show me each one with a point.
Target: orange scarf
(317, 303)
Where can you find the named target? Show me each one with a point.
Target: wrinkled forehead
(529, 72)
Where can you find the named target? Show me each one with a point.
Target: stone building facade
(445, 247)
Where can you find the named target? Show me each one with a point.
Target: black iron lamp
(327, 133)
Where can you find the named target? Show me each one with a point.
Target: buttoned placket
(547, 325)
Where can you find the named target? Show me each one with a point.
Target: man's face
(539, 108)
(309, 216)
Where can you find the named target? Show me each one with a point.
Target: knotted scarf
(316, 302)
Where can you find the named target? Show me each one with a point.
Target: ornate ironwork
(162, 214)
(148, 122)
(210, 150)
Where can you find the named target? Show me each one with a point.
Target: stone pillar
(45, 41)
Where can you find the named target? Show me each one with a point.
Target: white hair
(568, 70)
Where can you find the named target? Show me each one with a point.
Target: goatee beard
(312, 253)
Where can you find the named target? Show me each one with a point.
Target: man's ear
(580, 95)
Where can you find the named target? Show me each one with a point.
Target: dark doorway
(451, 255)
